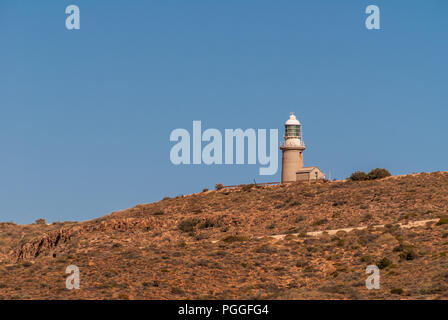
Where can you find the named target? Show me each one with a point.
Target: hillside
(216, 245)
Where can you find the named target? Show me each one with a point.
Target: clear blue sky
(86, 115)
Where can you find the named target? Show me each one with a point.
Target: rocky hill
(218, 245)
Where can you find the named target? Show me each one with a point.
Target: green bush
(374, 174)
(176, 290)
(359, 176)
(383, 263)
(396, 291)
(188, 225)
(294, 203)
(408, 255)
(229, 239)
(266, 249)
(292, 230)
(158, 213)
(219, 186)
(320, 222)
(40, 221)
(406, 252)
(247, 187)
(204, 190)
(367, 259)
(209, 223)
(378, 173)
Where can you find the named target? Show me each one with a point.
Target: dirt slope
(213, 245)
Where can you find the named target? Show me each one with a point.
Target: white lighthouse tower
(292, 155)
(292, 149)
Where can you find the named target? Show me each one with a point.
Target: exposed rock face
(49, 241)
(42, 245)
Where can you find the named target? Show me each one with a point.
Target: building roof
(307, 169)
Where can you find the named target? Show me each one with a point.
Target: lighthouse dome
(292, 121)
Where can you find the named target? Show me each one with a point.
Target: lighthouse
(292, 154)
(292, 149)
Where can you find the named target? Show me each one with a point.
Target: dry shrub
(188, 225)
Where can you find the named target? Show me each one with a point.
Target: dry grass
(213, 245)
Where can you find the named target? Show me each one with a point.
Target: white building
(292, 155)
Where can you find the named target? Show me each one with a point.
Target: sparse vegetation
(188, 225)
(234, 239)
(247, 187)
(219, 186)
(398, 291)
(406, 252)
(215, 245)
(176, 290)
(209, 223)
(383, 263)
(368, 259)
(407, 255)
(359, 176)
(320, 222)
(294, 203)
(374, 174)
(378, 173)
(41, 221)
(266, 249)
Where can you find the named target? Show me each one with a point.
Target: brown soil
(168, 249)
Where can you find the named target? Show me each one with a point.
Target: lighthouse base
(292, 161)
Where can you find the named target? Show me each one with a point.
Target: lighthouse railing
(301, 144)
